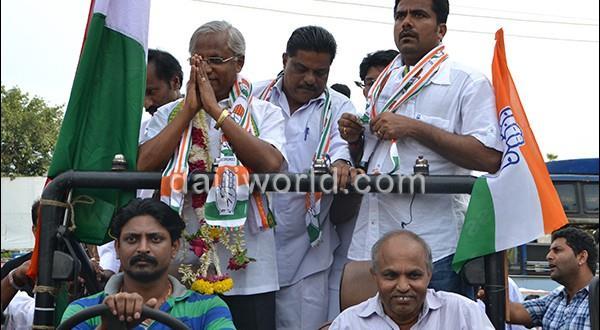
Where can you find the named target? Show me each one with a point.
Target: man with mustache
(304, 235)
(426, 105)
(401, 267)
(573, 258)
(147, 235)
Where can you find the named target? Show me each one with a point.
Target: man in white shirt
(305, 101)
(423, 104)
(402, 266)
(217, 49)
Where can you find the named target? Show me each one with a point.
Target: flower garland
(204, 241)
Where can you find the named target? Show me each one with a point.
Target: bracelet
(11, 280)
(224, 114)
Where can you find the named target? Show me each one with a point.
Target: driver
(147, 236)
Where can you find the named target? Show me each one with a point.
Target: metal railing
(59, 188)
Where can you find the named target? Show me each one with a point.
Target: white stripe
(129, 17)
(517, 208)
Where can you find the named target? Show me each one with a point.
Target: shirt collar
(278, 88)
(113, 285)
(442, 77)
(374, 305)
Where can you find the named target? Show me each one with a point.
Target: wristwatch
(11, 280)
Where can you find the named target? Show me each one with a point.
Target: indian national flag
(104, 109)
(519, 203)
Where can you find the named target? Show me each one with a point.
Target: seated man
(573, 256)
(402, 266)
(147, 236)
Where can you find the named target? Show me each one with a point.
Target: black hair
(341, 88)
(311, 38)
(378, 58)
(441, 8)
(166, 216)
(34, 212)
(166, 65)
(579, 240)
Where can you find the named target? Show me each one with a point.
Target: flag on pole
(519, 203)
(104, 109)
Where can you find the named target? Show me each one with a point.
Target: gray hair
(235, 42)
(401, 232)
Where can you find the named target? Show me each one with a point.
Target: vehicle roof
(586, 166)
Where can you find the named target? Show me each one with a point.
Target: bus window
(568, 197)
(590, 197)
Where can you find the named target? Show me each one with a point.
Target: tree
(29, 131)
(551, 157)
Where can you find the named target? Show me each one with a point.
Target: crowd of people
(288, 255)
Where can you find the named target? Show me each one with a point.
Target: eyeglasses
(367, 83)
(217, 60)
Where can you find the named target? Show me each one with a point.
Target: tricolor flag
(104, 110)
(519, 203)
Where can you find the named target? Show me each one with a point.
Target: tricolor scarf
(411, 84)
(195, 137)
(314, 227)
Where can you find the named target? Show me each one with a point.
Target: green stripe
(478, 236)
(211, 211)
(107, 97)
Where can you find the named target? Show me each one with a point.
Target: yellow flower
(223, 285)
(203, 286)
(214, 233)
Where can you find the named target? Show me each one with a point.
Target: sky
(552, 48)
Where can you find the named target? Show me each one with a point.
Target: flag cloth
(105, 107)
(519, 203)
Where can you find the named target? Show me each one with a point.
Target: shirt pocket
(438, 122)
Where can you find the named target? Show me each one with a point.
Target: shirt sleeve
(478, 112)
(271, 127)
(73, 309)
(159, 121)
(339, 147)
(537, 308)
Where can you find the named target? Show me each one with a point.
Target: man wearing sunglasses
(216, 100)
(304, 234)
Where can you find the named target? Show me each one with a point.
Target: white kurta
(458, 100)
(259, 276)
(295, 257)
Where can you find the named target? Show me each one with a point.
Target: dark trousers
(252, 312)
(445, 279)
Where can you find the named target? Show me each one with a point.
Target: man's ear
(582, 257)
(175, 248)
(240, 63)
(284, 57)
(175, 83)
(442, 29)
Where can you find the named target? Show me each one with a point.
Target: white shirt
(259, 276)
(108, 257)
(19, 312)
(441, 310)
(295, 257)
(458, 100)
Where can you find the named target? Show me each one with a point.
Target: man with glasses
(371, 66)
(216, 102)
(304, 235)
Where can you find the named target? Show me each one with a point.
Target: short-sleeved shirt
(457, 100)
(195, 310)
(259, 276)
(295, 256)
(555, 312)
(441, 310)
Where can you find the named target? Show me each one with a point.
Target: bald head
(400, 239)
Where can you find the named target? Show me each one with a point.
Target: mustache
(308, 88)
(408, 33)
(143, 258)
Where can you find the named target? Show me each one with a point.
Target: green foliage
(29, 131)
(551, 157)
